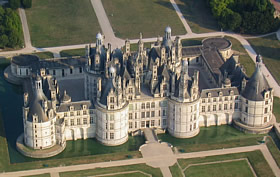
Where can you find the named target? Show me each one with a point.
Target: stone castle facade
(108, 94)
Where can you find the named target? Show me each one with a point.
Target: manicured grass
(276, 108)
(268, 47)
(73, 52)
(43, 55)
(198, 15)
(130, 17)
(215, 137)
(192, 42)
(175, 170)
(63, 22)
(271, 142)
(244, 58)
(255, 158)
(134, 47)
(41, 175)
(221, 169)
(138, 167)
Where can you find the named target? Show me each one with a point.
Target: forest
(10, 28)
(245, 16)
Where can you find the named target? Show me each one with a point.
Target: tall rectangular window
(142, 114)
(203, 109)
(111, 136)
(85, 121)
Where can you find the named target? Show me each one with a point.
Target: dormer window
(220, 93)
(209, 95)
(112, 99)
(84, 107)
(231, 92)
(71, 108)
(266, 94)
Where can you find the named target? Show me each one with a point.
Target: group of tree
(14, 4)
(245, 16)
(10, 28)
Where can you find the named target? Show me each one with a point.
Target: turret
(127, 47)
(99, 42)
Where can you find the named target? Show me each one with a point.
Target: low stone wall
(254, 130)
(10, 77)
(45, 153)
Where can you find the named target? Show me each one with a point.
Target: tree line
(245, 16)
(10, 28)
(15, 4)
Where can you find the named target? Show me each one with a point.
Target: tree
(14, 4)
(27, 3)
(4, 40)
(245, 16)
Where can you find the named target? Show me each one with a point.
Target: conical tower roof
(256, 85)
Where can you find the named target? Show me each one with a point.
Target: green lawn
(268, 47)
(138, 167)
(192, 42)
(130, 17)
(73, 52)
(43, 55)
(235, 168)
(63, 22)
(255, 158)
(276, 108)
(175, 170)
(41, 175)
(271, 142)
(198, 15)
(244, 58)
(215, 137)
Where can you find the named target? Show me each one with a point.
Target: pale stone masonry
(110, 93)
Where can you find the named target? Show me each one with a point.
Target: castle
(108, 94)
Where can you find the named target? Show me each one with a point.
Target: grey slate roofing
(65, 107)
(65, 97)
(217, 43)
(256, 86)
(214, 60)
(106, 90)
(25, 60)
(191, 51)
(37, 97)
(215, 92)
(233, 70)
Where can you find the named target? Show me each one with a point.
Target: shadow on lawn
(196, 12)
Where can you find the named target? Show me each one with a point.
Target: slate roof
(215, 92)
(256, 86)
(65, 107)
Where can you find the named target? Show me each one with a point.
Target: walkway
(181, 16)
(162, 159)
(26, 34)
(153, 150)
(105, 25)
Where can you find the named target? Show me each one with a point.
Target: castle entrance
(148, 124)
